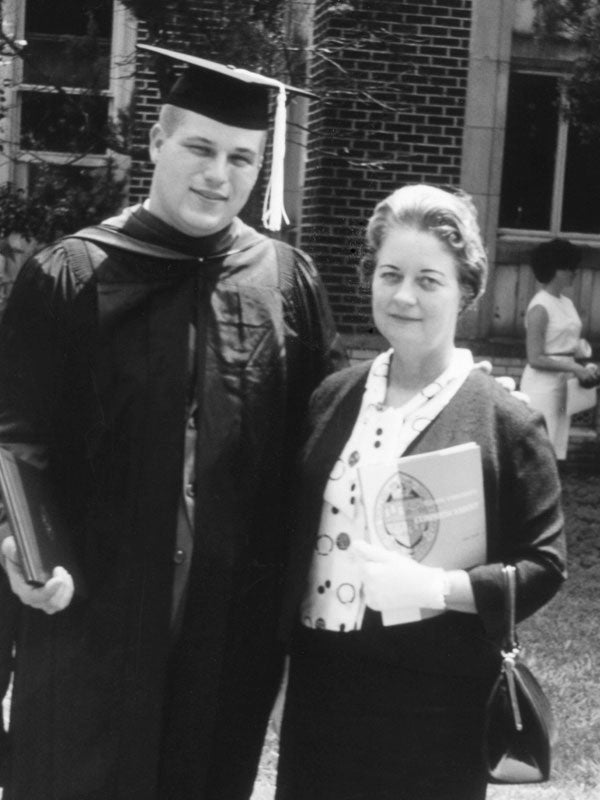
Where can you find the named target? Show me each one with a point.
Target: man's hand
(54, 596)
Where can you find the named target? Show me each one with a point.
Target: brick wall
(392, 112)
(146, 101)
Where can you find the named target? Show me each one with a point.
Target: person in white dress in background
(553, 339)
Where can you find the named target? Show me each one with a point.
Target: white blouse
(333, 596)
(564, 323)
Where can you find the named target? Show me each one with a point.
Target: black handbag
(519, 726)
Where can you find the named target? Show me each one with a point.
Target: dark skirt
(355, 728)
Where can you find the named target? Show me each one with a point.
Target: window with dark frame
(64, 101)
(551, 175)
(65, 98)
(68, 42)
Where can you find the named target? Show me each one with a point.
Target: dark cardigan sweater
(523, 513)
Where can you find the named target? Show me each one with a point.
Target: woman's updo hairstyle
(451, 216)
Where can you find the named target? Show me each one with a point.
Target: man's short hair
(170, 118)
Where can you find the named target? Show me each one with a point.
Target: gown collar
(141, 224)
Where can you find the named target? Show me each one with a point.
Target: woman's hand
(586, 375)
(54, 596)
(392, 581)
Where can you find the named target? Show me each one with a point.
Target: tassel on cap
(273, 207)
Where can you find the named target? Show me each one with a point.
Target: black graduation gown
(105, 704)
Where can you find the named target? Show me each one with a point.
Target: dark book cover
(35, 521)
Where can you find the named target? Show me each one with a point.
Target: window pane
(63, 123)
(529, 152)
(61, 62)
(68, 43)
(69, 17)
(581, 201)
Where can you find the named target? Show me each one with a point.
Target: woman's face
(416, 296)
(564, 278)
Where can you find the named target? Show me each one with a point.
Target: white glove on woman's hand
(392, 581)
(54, 596)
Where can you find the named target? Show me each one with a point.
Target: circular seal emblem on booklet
(406, 516)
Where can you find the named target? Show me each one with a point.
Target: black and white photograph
(299, 419)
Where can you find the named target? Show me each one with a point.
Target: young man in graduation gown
(160, 365)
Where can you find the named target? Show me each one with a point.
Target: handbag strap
(510, 642)
(510, 653)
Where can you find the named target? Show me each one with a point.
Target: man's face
(204, 172)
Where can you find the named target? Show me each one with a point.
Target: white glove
(392, 581)
(505, 381)
(55, 595)
(509, 384)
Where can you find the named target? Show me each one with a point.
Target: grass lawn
(561, 645)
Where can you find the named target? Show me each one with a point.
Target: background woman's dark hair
(549, 257)
(451, 216)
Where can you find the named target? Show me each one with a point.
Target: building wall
(411, 91)
(514, 286)
(483, 140)
(392, 111)
(146, 102)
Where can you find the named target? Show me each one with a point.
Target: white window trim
(121, 82)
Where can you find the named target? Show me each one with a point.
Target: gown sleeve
(33, 353)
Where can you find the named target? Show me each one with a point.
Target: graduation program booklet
(429, 507)
(35, 521)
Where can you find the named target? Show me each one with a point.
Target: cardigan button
(179, 556)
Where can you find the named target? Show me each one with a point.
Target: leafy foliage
(248, 32)
(59, 201)
(577, 21)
